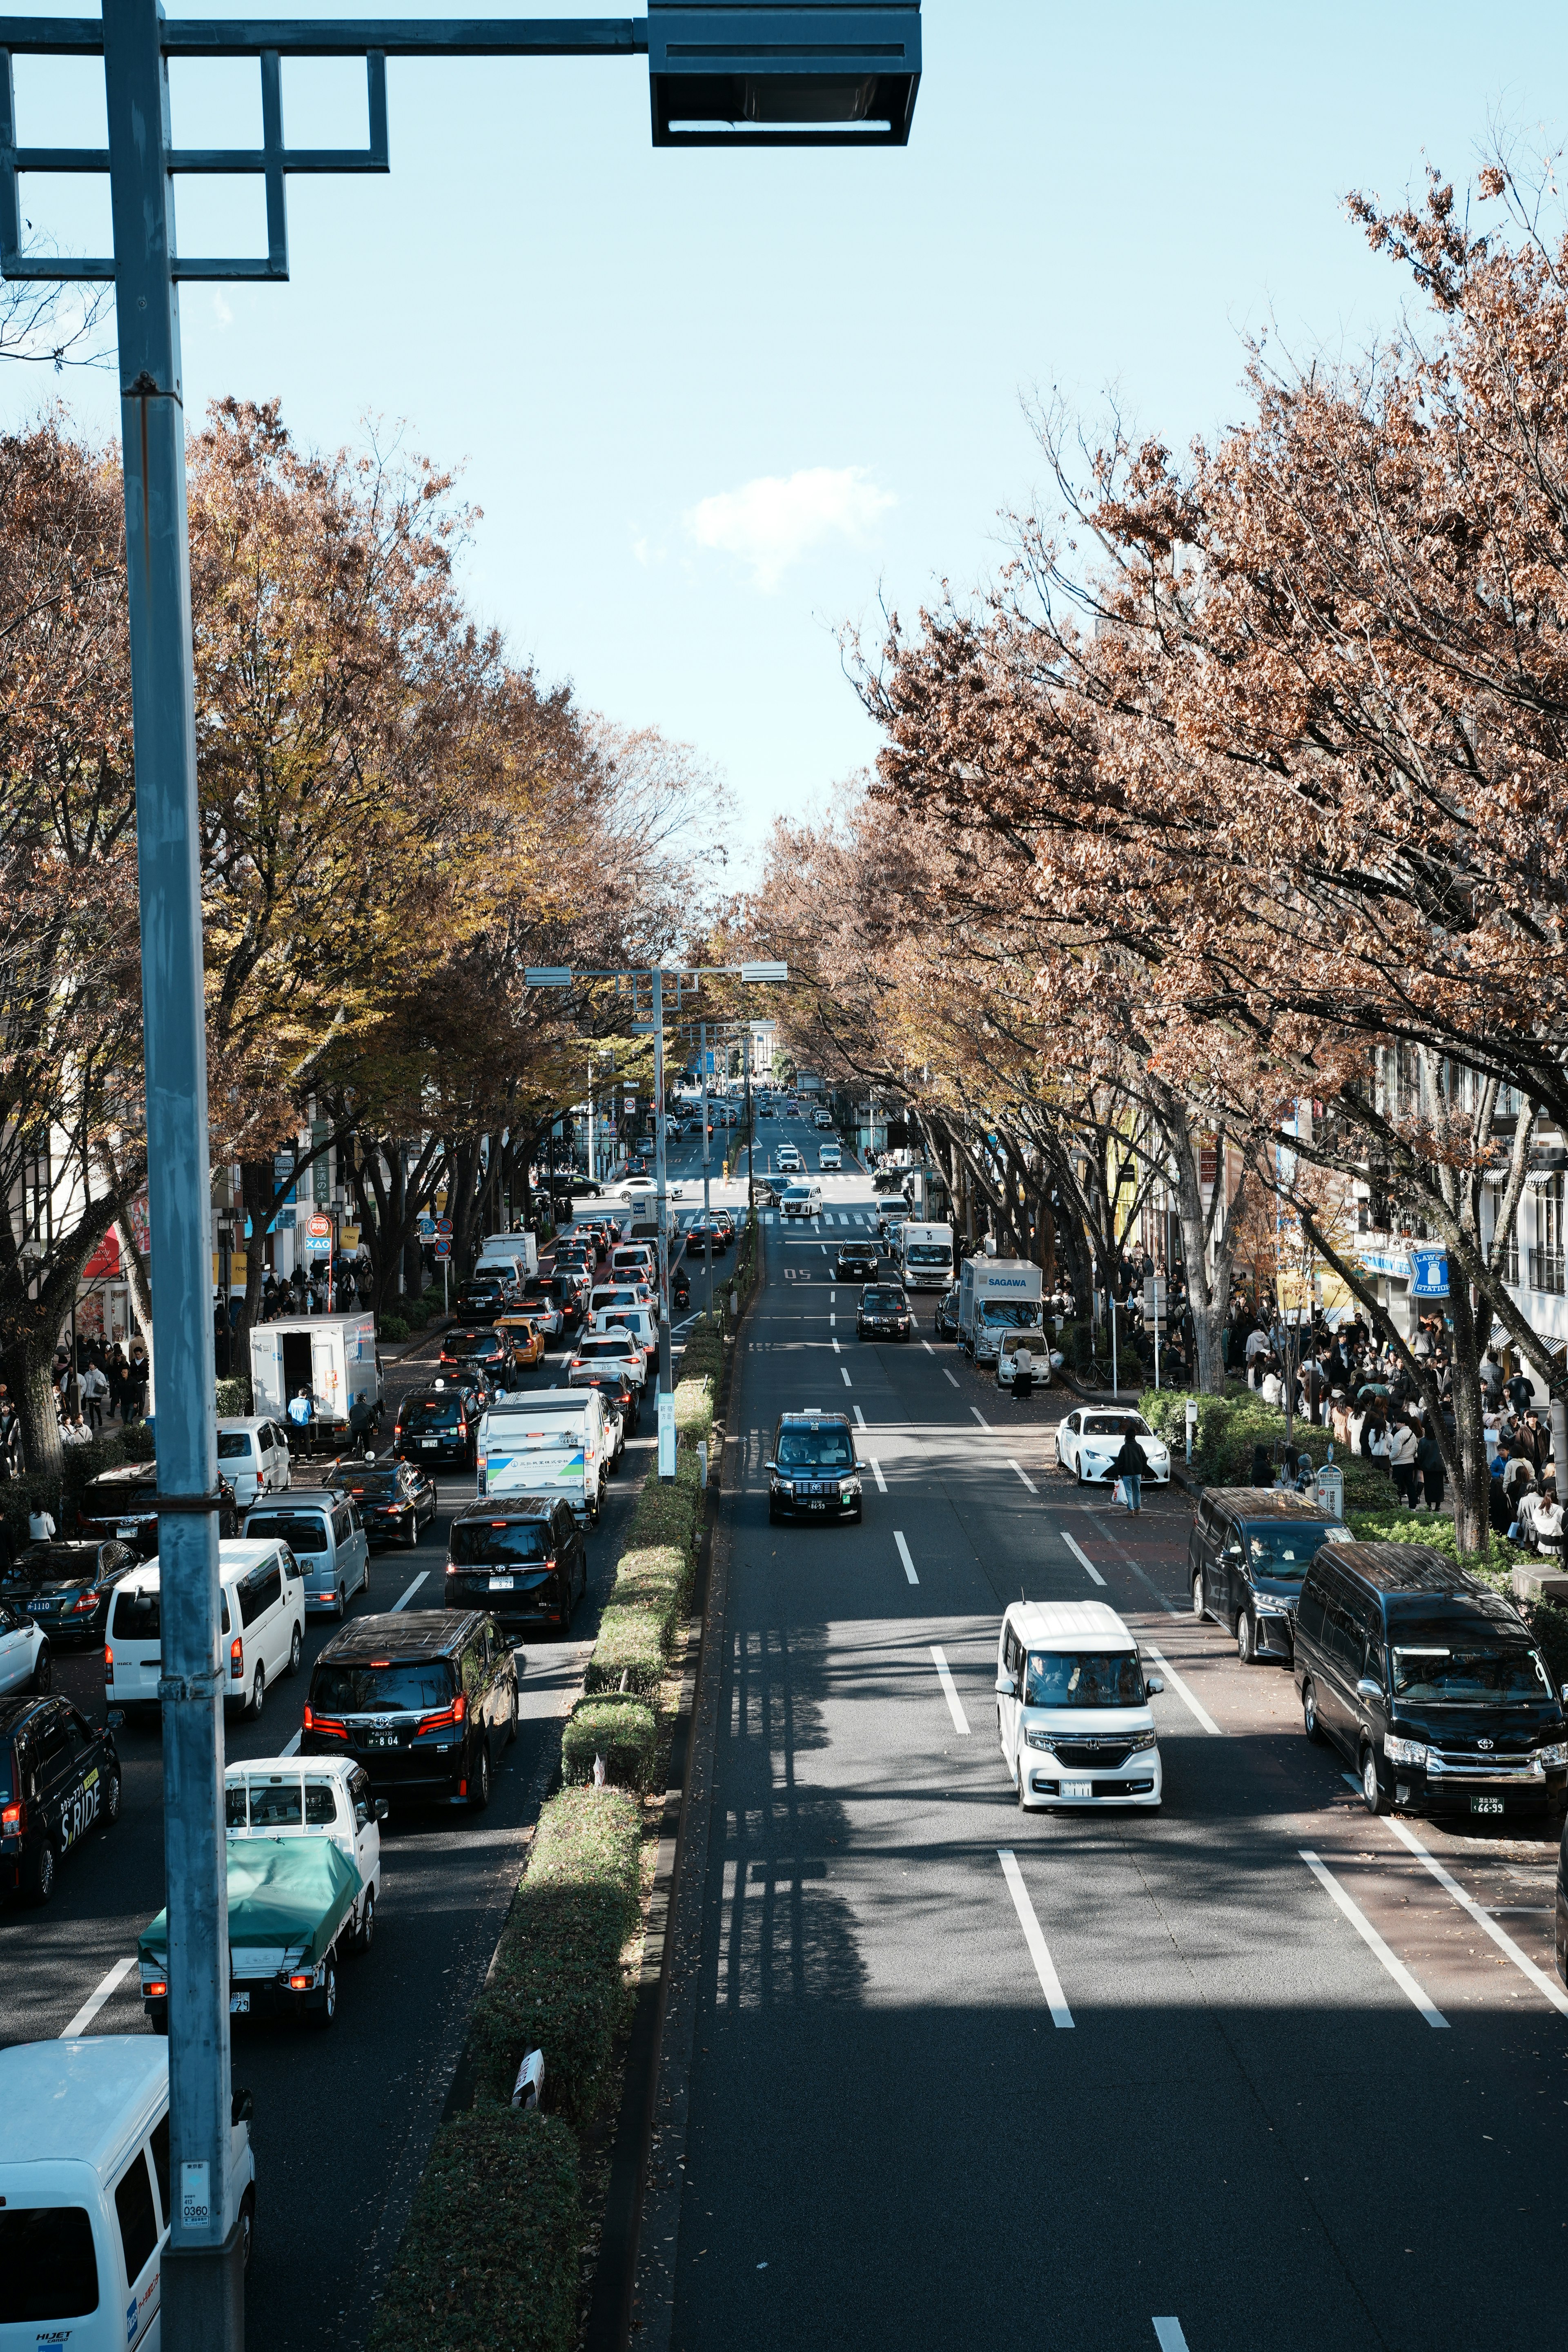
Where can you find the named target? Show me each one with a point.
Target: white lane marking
(1373, 1941)
(837, 1348)
(980, 1417)
(1170, 2335)
(291, 1746)
(927, 1345)
(1039, 1952)
(949, 1689)
(948, 1376)
(95, 2001)
(1082, 1557)
(833, 1298)
(1182, 1693)
(411, 1591)
(845, 1370)
(904, 1556)
(859, 1418)
(1024, 1476)
(1553, 1991)
(832, 1319)
(876, 1473)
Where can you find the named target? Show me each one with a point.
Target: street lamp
(787, 74)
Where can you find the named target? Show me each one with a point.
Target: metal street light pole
(666, 1393)
(707, 1200)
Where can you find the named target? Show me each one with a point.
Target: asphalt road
(1159, 2089)
(343, 2124)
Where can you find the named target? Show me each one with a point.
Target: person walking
(1429, 1463)
(94, 1388)
(1130, 1466)
(141, 1372)
(1402, 1460)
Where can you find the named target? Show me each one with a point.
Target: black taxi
(813, 1473)
(59, 1780)
(437, 1424)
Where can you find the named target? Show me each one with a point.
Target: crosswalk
(828, 1217)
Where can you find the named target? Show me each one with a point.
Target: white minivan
(262, 1601)
(85, 2192)
(253, 1455)
(1072, 1707)
(803, 1200)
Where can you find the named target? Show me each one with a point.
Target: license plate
(1077, 1787)
(502, 1583)
(128, 1528)
(381, 1739)
(429, 1443)
(39, 1608)
(816, 1507)
(1486, 1805)
(239, 2004)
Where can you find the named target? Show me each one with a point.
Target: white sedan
(1091, 1438)
(25, 1663)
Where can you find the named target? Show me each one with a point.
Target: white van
(508, 1265)
(642, 1322)
(830, 1156)
(554, 1443)
(802, 1200)
(326, 1535)
(85, 2190)
(312, 1795)
(253, 1455)
(262, 1620)
(1072, 1707)
(636, 1259)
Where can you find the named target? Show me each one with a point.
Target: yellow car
(526, 1337)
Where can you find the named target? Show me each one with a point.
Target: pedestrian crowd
(93, 1384)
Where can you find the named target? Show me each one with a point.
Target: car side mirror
(382, 1810)
(770, 1465)
(241, 2108)
(1367, 1688)
(1006, 1686)
(1153, 1685)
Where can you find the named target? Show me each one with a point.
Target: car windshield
(883, 1298)
(462, 1345)
(1084, 1678)
(610, 1343)
(44, 1563)
(1115, 1424)
(1012, 1313)
(233, 1445)
(431, 1413)
(301, 1531)
(476, 1541)
(1444, 1663)
(416, 1688)
(1287, 1550)
(930, 1253)
(815, 1449)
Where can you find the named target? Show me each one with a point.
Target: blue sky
(714, 405)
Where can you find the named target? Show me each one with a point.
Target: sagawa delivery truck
(924, 1256)
(551, 1443)
(996, 1294)
(332, 1357)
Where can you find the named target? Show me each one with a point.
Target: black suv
(813, 1473)
(65, 1587)
(484, 1294)
(424, 1700)
(858, 1261)
(392, 1497)
(1429, 1683)
(1248, 1550)
(883, 1313)
(525, 1561)
(58, 1780)
(122, 1503)
(944, 1322)
(478, 1344)
(438, 1424)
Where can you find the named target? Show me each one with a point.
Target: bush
(137, 1443)
(1230, 1426)
(630, 1653)
(489, 2257)
(669, 1513)
(416, 1314)
(558, 1985)
(232, 1397)
(622, 1730)
(393, 1327)
(58, 1493)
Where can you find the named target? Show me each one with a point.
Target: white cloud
(221, 310)
(772, 523)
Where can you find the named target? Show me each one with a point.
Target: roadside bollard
(703, 1463)
(530, 2080)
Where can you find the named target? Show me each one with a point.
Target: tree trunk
(26, 1370)
(1466, 1453)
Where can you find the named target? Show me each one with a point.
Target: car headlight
(1140, 1739)
(785, 1485)
(1544, 1758)
(1407, 1751)
(848, 1493)
(1038, 1738)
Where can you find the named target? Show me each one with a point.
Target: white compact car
(25, 1662)
(253, 1455)
(1091, 1436)
(789, 1159)
(1072, 1707)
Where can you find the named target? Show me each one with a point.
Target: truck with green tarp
(292, 1907)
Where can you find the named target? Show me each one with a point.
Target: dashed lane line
(110, 1986)
(1026, 1479)
(949, 1689)
(411, 1591)
(1373, 1941)
(904, 1556)
(848, 1381)
(1500, 1937)
(948, 1376)
(877, 1474)
(1082, 1556)
(1193, 1706)
(1039, 1951)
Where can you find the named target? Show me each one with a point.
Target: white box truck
(332, 1357)
(996, 1294)
(925, 1256)
(551, 1443)
(523, 1245)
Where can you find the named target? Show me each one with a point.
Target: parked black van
(1429, 1683)
(1248, 1551)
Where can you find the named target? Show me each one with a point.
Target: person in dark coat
(1429, 1463)
(1131, 1465)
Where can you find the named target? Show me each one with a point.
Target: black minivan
(1249, 1548)
(523, 1560)
(424, 1698)
(1429, 1683)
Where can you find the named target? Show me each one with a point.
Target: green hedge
(489, 2257)
(233, 1397)
(629, 1655)
(394, 1327)
(1230, 1426)
(623, 1730)
(557, 1984)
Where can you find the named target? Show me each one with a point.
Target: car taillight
(453, 1714)
(109, 1662)
(237, 1658)
(301, 1983)
(14, 1819)
(156, 1989)
(88, 1600)
(328, 1723)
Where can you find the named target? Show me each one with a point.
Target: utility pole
(665, 1391)
(706, 1206)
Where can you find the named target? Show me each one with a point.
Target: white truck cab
(312, 1795)
(996, 1294)
(85, 2190)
